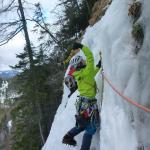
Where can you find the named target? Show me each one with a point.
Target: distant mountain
(8, 73)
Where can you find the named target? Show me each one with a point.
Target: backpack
(71, 84)
(70, 81)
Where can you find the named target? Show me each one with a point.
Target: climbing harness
(87, 111)
(125, 97)
(85, 106)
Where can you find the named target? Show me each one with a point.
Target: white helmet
(75, 61)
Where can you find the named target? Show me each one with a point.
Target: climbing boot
(67, 139)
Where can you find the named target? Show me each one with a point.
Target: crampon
(67, 139)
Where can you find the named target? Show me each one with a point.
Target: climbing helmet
(75, 61)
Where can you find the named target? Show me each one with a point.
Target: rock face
(99, 10)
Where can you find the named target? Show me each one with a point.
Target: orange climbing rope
(125, 97)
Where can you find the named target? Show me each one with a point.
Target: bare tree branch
(10, 36)
(9, 7)
(10, 23)
(6, 27)
(46, 29)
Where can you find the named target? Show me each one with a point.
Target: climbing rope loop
(146, 109)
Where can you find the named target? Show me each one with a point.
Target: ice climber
(87, 115)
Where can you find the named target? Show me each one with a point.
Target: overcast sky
(8, 52)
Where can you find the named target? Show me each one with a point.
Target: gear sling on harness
(87, 112)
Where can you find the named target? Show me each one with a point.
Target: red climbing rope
(125, 97)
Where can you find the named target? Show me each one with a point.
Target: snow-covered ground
(123, 126)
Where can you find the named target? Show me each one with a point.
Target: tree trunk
(32, 75)
(39, 123)
(41, 133)
(30, 53)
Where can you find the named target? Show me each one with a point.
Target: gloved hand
(77, 45)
